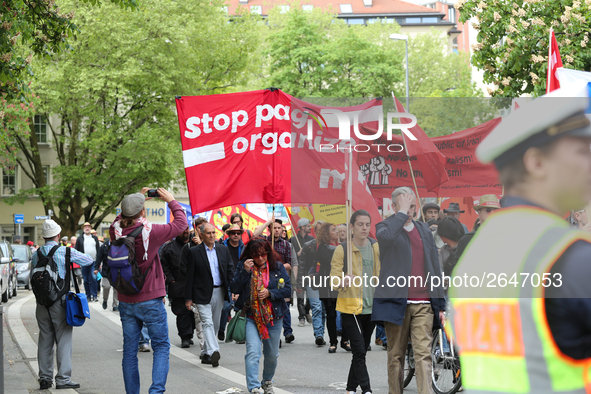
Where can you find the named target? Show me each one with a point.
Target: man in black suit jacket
(209, 272)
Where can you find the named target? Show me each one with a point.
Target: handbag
(76, 303)
(236, 330)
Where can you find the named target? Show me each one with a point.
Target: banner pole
(273, 228)
(294, 229)
(350, 204)
(414, 181)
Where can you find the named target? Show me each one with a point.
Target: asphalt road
(303, 367)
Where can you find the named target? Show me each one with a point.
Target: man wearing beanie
(53, 328)
(147, 306)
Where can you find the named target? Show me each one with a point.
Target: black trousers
(303, 308)
(359, 340)
(185, 321)
(331, 321)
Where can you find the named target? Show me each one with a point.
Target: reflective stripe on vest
(504, 339)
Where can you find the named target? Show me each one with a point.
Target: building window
(451, 14)
(40, 123)
(256, 9)
(9, 181)
(413, 20)
(346, 8)
(307, 7)
(46, 174)
(430, 20)
(225, 10)
(356, 21)
(284, 9)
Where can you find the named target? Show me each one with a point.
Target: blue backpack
(122, 269)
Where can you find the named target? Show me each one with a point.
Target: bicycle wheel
(409, 365)
(446, 373)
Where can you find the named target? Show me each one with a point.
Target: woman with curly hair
(262, 284)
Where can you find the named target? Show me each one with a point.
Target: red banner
(385, 169)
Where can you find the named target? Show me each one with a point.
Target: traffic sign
(42, 217)
(19, 218)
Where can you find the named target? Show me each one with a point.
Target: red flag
(554, 63)
(363, 198)
(429, 159)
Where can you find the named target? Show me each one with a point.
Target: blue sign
(42, 218)
(19, 218)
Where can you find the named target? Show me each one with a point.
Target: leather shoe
(191, 342)
(221, 335)
(206, 359)
(345, 345)
(69, 385)
(289, 338)
(185, 343)
(320, 341)
(45, 384)
(215, 359)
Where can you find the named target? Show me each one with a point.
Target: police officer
(531, 332)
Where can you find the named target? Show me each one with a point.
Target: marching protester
(301, 237)
(170, 256)
(236, 247)
(407, 249)
(450, 231)
(326, 242)
(283, 249)
(342, 230)
(73, 242)
(310, 264)
(237, 219)
(147, 306)
(88, 244)
(262, 283)
(209, 272)
(54, 332)
(355, 302)
(454, 211)
(542, 152)
(430, 211)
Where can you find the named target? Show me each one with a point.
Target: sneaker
(258, 390)
(145, 348)
(320, 341)
(115, 309)
(215, 359)
(268, 387)
(385, 346)
(309, 318)
(302, 323)
(289, 338)
(69, 385)
(105, 305)
(95, 300)
(45, 384)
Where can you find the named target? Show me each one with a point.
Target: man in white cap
(527, 335)
(53, 328)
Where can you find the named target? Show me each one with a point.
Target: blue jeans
(133, 317)
(381, 333)
(225, 313)
(253, 352)
(318, 315)
(339, 323)
(90, 284)
(287, 330)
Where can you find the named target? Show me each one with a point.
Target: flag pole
(549, 73)
(349, 250)
(414, 181)
(273, 228)
(294, 230)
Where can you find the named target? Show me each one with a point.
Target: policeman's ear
(537, 163)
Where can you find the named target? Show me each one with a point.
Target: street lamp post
(403, 37)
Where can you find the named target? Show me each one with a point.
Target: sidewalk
(16, 370)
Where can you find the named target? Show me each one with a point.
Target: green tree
(33, 27)
(513, 38)
(114, 97)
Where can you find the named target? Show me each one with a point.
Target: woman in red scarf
(263, 284)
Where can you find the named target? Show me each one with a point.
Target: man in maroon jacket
(147, 306)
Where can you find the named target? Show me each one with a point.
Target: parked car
(4, 274)
(22, 257)
(12, 278)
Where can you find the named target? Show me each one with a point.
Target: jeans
(225, 314)
(359, 339)
(253, 352)
(381, 333)
(133, 317)
(287, 330)
(90, 284)
(318, 316)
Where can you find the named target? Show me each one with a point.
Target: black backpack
(47, 286)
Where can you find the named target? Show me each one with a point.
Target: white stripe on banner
(204, 154)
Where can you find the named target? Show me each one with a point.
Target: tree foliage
(114, 98)
(30, 27)
(513, 38)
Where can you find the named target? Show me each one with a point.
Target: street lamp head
(399, 37)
